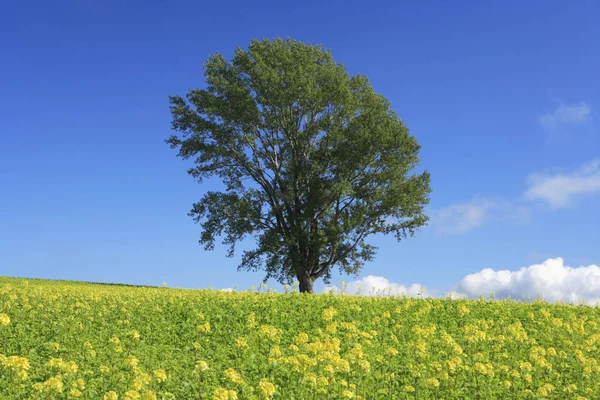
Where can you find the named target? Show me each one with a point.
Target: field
(74, 340)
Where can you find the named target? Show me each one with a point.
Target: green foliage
(64, 340)
(313, 161)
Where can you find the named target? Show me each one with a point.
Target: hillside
(76, 340)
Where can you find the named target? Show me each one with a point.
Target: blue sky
(503, 97)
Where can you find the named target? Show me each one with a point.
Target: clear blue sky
(502, 96)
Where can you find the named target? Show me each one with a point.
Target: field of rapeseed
(67, 340)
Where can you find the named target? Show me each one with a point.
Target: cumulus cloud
(565, 116)
(551, 280)
(559, 190)
(464, 217)
(227, 290)
(378, 285)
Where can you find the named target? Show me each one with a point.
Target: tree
(312, 161)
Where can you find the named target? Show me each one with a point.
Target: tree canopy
(313, 161)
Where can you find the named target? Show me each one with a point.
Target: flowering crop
(66, 340)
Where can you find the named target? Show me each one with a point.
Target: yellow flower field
(67, 340)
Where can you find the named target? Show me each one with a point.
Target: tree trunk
(306, 283)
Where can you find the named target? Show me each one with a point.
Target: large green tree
(312, 160)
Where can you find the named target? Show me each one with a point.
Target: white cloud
(227, 290)
(551, 280)
(464, 217)
(559, 190)
(565, 116)
(378, 285)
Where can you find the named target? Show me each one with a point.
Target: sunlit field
(68, 340)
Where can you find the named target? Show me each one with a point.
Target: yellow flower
(275, 352)
(18, 364)
(436, 366)
(421, 346)
(224, 394)
(54, 384)
(132, 362)
(134, 335)
(251, 320)
(409, 388)
(433, 382)
(149, 396)
(144, 378)
(4, 320)
(137, 385)
(328, 314)
(270, 332)
(75, 393)
(484, 369)
(365, 365)
(110, 396)
(232, 394)
(571, 388)
(526, 366)
(204, 328)
(266, 388)
(347, 394)
(391, 351)
(160, 375)
(542, 392)
(70, 368)
(201, 366)
(341, 365)
(131, 395)
(549, 387)
(233, 376)
(241, 343)
(301, 338)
